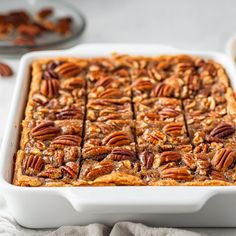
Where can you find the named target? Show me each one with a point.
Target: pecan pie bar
(109, 109)
(128, 120)
(160, 109)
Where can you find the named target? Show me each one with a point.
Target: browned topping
(70, 170)
(33, 164)
(223, 159)
(120, 154)
(5, 70)
(118, 138)
(169, 156)
(50, 87)
(45, 130)
(66, 140)
(147, 159)
(102, 168)
(222, 131)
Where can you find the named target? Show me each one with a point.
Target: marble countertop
(187, 24)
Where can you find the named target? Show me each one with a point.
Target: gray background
(189, 24)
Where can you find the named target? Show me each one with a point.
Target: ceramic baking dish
(52, 207)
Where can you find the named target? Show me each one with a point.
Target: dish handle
(138, 199)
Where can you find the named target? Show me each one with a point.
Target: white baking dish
(52, 207)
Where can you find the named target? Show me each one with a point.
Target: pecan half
(72, 83)
(70, 113)
(111, 93)
(67, 140)
(217, 175)
(118, 138)
(58, 158)
(24, 41)
(193, 82)
(49, 72)
(102, 168)
(169, 156)
(142, 84)
(162, 90)
(168, 112)
(29, 30)
(174, 129)
(51, 173)
(115, 116)
(72, 153)
(222, 131)
(17, 17)
(45, 130)
(189, 160)
(68, 69)
(96, 152)
(33, 164)
(70, 170)
(202, 166)
(155, 137)
(223, 158)
(5, 70)
(39, 98)
(177, 173)
(209, 68)
(121, 154)
(64, 25)
(147, 159)
(44, 13)
(104, 82)
(156, 74)
(50, 87)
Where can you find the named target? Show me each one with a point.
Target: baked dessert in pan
(125, 120)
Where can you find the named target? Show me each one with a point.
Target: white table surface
(187, 24)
